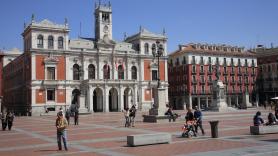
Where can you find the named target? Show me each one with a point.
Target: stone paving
(102, 134)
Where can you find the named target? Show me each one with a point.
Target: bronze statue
(217, 72)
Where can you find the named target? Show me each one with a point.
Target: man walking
(76, 116)
(198, 117)
(61, 125)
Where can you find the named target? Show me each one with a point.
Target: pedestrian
(265, 103)
(4, 121)
(276, 111)
(76, 116)
(257, 120)
(189, 115)
(132, 114)
(171, 114)
(271, 119)
(10, 119)
(198, 117)
(67, 115)
(126, 115)
(61, 125)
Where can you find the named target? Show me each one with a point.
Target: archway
(113, 100)
(128, 101)
(98, 100)
(75, 99)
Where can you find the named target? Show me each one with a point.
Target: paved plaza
(103, 134)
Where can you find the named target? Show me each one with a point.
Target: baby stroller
(188, 130)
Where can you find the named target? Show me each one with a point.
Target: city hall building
(192, 71)
(95, 74)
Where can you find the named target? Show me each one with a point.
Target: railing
(202, 72)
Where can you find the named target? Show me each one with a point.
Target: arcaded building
(191, 72)
(95, 74)
(267, 73)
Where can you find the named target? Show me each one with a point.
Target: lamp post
(157, 51)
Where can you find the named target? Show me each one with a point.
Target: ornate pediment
(51, 60)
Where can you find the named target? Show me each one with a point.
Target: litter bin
(214, 128)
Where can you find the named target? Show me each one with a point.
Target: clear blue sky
(235, 22)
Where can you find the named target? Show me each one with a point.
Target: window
(226, 79)
(209, 60)
(202, 79)
(225, 70)
(233, 70)
(217, 60)
(146, 47)
(177, 62)
(50, 42)
(40, 41)
(233, 89)
(193, 60)
(253, 70)
(246, 64)
(239, 70)
(184, 60)
(121, 73)
(91, 71)
(240, 79)
(50, 94)
(269, 68)
(193, 78)
(50, 73)
(232, 61)
(195, 89)
(154, 74)
(133, 73)
(76, 72)
(60, 42)
(210, 68)
(193, 69)
(202, 60)
(202, 69)
(246, 70)
(106, 72)
(239, 64)
(203, 89)
(225, 62)
(233, 79)
(210, 79)
(105, 17)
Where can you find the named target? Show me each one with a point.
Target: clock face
(105, 29)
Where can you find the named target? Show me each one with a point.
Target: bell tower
(103, 22)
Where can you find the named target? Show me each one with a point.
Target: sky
(234, 22)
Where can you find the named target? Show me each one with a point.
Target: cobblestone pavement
(103, 134)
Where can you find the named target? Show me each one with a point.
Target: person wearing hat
(61, 125)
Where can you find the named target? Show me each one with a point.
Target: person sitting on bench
(258, 121)
(271, 119)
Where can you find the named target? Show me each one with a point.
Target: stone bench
(256, 130)
(148, 139)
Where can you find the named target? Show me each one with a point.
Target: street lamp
(157, 51)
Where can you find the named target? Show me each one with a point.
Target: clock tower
(103, 22)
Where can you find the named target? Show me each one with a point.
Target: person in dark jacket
(271, 119)
(189, 115)
(198, 117)
(10, 120)
(257, 120)
(76, 116)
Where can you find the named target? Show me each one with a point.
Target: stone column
(90, 99)
(199, 102)
(236, 101)
(229, 101)
(190, 101)
(257, 100)
(106, 99)
(207, 99)
(120, 99)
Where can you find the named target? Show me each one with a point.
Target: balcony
(202, 72)
(202, 82)
(209, 72)
(193, 72)
(239, 82)
(232, 73)
(233, 82)
(225, 73)
(239, 73)
(246, 74)
(194, 82)
(226, 82)
(253, 74)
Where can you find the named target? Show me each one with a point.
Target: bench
(256, 130)
(148, 139)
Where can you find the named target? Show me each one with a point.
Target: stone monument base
(155, 118)
(82, 109)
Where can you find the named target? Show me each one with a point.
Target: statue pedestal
(219, 102)
(82, 109)
(158, 111)
(245, 103)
